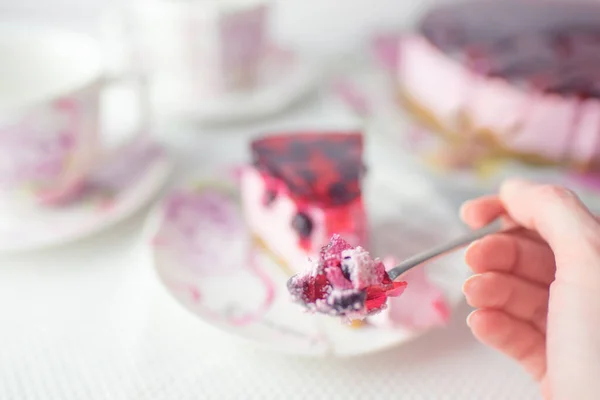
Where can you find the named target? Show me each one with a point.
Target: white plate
(286, 78)
(204, 257)
(112, 194)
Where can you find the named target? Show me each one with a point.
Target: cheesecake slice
(301, 189)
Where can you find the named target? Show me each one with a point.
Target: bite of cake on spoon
(344, 281)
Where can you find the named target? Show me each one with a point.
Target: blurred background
(312, 26)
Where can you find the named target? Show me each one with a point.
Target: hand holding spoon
(497, 226)
(346, 281)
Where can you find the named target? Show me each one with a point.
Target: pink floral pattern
(199, 225)
(242, 39)
(352, 96)
(203, 231)
(35, 149)
(241, 45)
(386, 51)
(101, 202)
(103, 186)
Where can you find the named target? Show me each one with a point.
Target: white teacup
(51, 82)
(201, 47)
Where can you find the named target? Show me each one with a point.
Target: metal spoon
(497, 226)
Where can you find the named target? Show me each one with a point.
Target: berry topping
(346, 267)
(551, 46)
(322, 168)
(302, 224)
(345, 281)
(309, 288)
(345, 301)
(338, 193)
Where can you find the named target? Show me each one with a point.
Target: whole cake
(521, 77)
(301, 189)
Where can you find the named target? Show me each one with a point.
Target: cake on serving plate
(521, 77)
(301, 189)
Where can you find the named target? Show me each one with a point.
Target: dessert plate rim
(211, 177)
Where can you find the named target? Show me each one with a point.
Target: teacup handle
(140, 133)
(103, 153)
(117, 38)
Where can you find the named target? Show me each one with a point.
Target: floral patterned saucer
(210, 264)
(111, 194)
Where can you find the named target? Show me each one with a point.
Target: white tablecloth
(91, 321)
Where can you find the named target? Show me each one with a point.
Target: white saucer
(286, 78)
(204, 256)
(111, 194)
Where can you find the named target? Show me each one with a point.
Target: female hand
(537, 291)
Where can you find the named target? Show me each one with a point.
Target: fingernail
(469, 318)
(469, 282)
(474, 245)
(471, 251)
(463, 209)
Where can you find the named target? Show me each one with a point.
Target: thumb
(561, 219)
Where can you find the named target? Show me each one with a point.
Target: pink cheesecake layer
(273, 222)
(547, 128)
(493, 104)
(432, 79)
(548, 125)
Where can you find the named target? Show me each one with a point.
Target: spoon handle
(497, 226)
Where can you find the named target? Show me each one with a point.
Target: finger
(545, 388)
(556, 213)
(562, 220)
(481, 211)
(513, 254)
(513, 337)
(516, 297)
